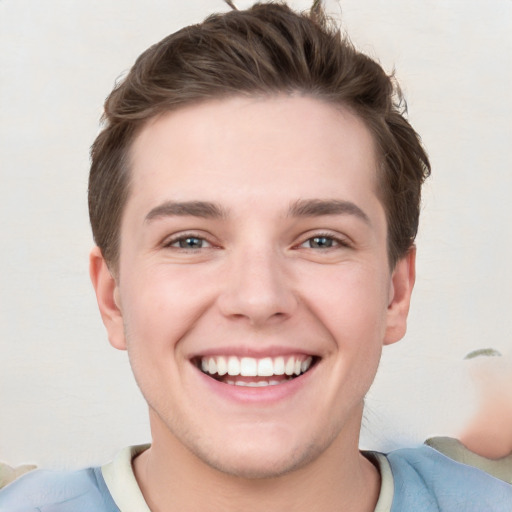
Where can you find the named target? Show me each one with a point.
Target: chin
(258, 458)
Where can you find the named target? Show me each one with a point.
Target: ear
(402, 283)
(107, 295)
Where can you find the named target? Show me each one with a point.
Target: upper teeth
(252, 367)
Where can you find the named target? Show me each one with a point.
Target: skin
(259, 284)
(489, 433)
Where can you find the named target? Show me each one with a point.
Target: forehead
(284, 147)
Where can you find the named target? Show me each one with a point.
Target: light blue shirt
(421, 480)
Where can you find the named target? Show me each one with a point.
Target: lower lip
(260, 395)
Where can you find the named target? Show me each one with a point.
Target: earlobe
(107, 296)
(402, 283)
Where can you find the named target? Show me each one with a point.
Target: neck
(172, 478)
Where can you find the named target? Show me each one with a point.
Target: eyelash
(183, 238)
(336, 242)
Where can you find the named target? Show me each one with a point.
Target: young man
(254, 197)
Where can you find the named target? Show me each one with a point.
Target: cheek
(352, 307)
(351, 300)
(154, 323)
(161, 305)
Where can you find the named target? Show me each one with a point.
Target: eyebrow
(299, 208)
(202, 209)
(319, 207)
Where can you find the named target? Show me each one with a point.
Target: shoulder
(425, 479)
(500, 468)
(58, 491)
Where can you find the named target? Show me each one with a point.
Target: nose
(258, 288)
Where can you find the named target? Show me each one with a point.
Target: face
(254, 292)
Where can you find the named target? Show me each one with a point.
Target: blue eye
(321, 242)
(189, 242)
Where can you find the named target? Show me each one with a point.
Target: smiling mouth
(254, 372)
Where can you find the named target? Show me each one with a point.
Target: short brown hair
(265, 50)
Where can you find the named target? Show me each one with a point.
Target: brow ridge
(319, 207)
(299, 208)
(204, 209)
